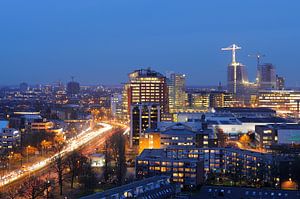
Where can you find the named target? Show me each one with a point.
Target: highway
(72, 144)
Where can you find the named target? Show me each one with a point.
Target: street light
(27, 153)
(9, 157)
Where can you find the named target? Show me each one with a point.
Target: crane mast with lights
(233, 48)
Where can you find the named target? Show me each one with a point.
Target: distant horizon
(121, 85)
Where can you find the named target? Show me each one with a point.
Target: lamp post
(9, 157)
(27, 153)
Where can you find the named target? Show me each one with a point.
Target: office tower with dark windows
(280, 82)
(266, 76)
(73, 88)
(142, 117)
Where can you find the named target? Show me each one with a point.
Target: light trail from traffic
(72, 144)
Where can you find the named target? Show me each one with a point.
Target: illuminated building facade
(116, 105)
(277, 134)
(283, 101)
(147, 86)
(177, 135)
(142, 117)
(199, 100)
(10, 139)
(177, 95)
(187, 172)
(217, 99)
(231, 162)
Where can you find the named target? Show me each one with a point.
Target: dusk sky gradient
(100, 42)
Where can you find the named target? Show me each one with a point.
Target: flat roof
(126, 187)
(242, 192)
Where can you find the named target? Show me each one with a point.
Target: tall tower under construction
(237, 77)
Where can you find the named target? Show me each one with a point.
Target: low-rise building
(153, 187)
(10, 139)
(170, 134)
(277, 134)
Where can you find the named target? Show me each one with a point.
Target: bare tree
(10, 194)
(118, 147)
(87, 177)
(75, 163)
(59, 167)
(33, 188)
(107, 155)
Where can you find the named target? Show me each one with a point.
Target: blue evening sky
(101, 41)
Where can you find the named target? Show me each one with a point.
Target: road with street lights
(73, 144)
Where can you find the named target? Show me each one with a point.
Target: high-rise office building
(146, 86)
(237, 77)
(177, 95)
(116, 105)
(266, 76)
(216, 99)
(73, 88)
(280, 82)
(199, 99)
(24, 87)
(142, 117)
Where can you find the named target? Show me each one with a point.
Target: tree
(75, 163)
(59, 142)
(87, 177)
(46, 145)
(107, 171)
(33, 188)
(31, 150)
(59, 167)
(221, 137)
(245, 139)
(296, 170)
(10, 194)
(118, 147)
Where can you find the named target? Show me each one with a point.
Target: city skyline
(115, 39)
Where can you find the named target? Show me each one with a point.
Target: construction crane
(258, 57)
(233, 48)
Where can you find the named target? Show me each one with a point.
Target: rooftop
(233, 192)
(127, 187)
(241, 109)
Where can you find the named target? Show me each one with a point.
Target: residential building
(154, 162)
(10, 139)
(153, 187)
